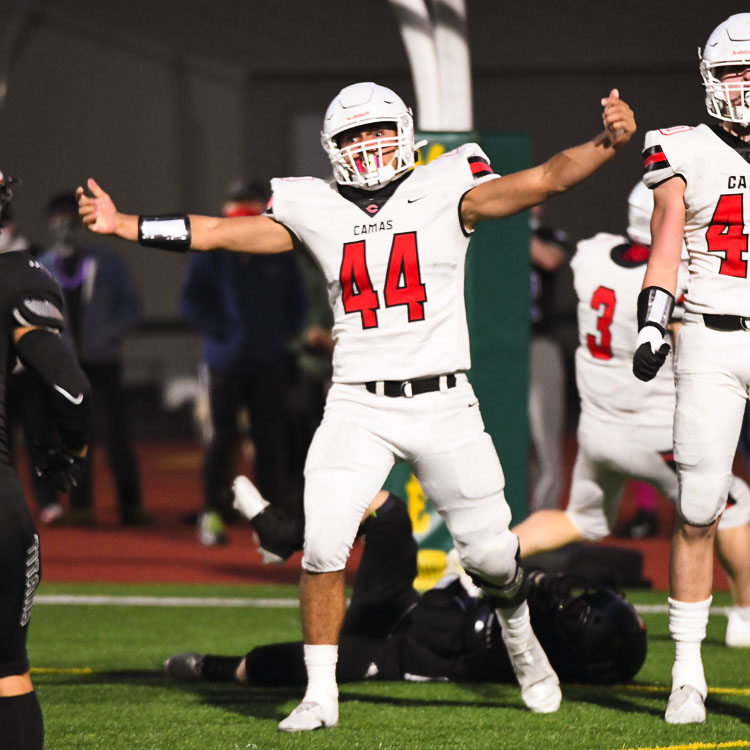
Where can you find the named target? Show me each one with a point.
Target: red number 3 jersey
(394, 265)
(714, 165)
(608, 274)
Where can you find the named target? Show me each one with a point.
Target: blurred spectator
(248, 308)
(743, 446)
(101, 306)
(550, 251)
(11, 237)
(313, 368)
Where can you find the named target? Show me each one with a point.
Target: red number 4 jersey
(394, 264)
(714, 165)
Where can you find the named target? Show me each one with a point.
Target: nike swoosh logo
(73, 399)
(414, 200)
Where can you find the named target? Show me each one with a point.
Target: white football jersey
(394, 264)
(608, 272)
(714, 165)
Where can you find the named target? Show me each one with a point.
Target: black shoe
(644, 524)
(77, 517)
(137, 517)
(185, 666)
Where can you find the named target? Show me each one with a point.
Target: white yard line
(160, 601)
(208, 601)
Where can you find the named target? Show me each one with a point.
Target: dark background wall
(165, 102)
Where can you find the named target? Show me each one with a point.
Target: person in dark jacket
(248, 308)
(101, 307)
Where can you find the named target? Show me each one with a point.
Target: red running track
(168, 551)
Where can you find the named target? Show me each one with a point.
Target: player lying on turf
(590, 633)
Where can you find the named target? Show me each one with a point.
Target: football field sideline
(114, 600)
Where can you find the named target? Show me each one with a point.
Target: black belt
(726, 322)
(409, 388)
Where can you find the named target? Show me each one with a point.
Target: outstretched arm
(515, 192)
(243, 234)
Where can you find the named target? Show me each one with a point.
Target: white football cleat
(310, 715)
(540, 688)
(738, 631)
(685, 706)
(247, 500)
(270, 558)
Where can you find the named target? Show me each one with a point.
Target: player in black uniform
(590, 633)
(30, 322)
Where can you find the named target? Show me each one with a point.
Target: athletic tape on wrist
(655, 307)
(170, 232)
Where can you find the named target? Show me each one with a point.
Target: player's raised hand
(618, 118)
(97, 211)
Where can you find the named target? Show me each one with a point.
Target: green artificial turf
(98, 674)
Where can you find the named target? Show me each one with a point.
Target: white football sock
(321, 673)
(687, 626)
(742, 612)
(516, 623)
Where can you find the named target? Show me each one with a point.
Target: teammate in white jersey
(625, 428)
(701, 180)
(391, 239)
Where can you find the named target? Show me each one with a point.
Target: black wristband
(655, 307)
(166, 232)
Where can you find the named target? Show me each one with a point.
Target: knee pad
(512, 594)
(325, 553)
(737, 510)
(491, 559)
(702, 497)
(327, 546)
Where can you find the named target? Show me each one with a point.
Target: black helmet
(5, 192)
(590, 633)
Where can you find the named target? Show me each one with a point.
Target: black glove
(56, 466)
(647, 360)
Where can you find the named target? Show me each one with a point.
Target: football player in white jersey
(625, 428)
(701, 181)
(391, 240)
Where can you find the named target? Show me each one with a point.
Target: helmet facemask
(726, 100)
(363, 164)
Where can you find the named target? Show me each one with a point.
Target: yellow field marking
(62, 670)
(666, 689)
(697, 746)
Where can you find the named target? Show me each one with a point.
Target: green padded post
(497, 304)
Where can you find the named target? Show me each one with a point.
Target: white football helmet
(729, 44)
(361, 164)
(640, 208)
